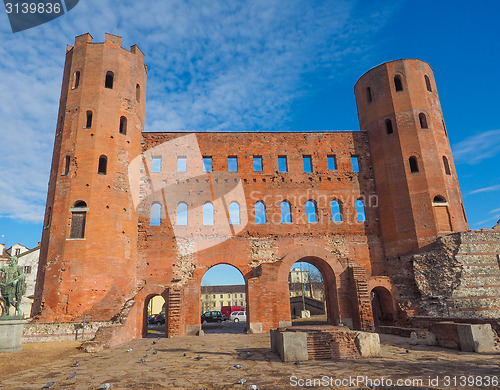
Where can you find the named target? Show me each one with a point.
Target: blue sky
(255, 65)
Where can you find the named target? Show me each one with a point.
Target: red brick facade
(123, 260)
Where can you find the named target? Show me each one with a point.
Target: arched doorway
(382, 306)
(223, 300)
(154, 316)
(307, 294)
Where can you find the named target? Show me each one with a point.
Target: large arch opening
(223, 300)
(154, 316)
(307, 294)
(382, 306)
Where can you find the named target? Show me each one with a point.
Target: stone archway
(382, 306)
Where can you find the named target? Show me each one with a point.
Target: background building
(214, 297)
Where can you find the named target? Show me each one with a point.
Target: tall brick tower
(88, 254)
(415, 177)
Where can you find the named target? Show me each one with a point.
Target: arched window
(423, 120)
(78, 219)
(234, 213)
(360, 210)
(103, 165)
(123, 125)
(155, 218)
(208, 214)
(109, 80)
(286, 216)
(428, 83)
(67, 162)
(76, 80)
(182, 214)
(398, 83)
(311, 212)
(413, 164)
(369, 97)
(446, 165)
(336, 211)
(138, 92)
(439, 199)
(260, 213)
(388, 126)
(88, 124)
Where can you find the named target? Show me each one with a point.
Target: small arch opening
(155, 216)
(88, 124)
(110, 76)
(446, 165)
(208, 213)
(260, 213)
(439, 199)
(388, 126)
(423, 120)
(311, 212)
(123, 125)
(76, 80)
(398, 84)
(155, 316)
(67, 162)
(360, 211)
(413, 164)
(103, 165)
(369, 97)
(428, 83)
(234, 213)
(138, 92)
(182, 214)
(286, 216)
(382, 306)
(336, 211)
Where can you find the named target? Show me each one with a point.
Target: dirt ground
(208, 363)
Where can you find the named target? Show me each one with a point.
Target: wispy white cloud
(486, 189)
(214, 65)
(478, 147)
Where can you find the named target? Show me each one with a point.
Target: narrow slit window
(182, 214)
(355, 163)
(156, 164)
(88, 124)
(234, 213)
(155, 218)
(369, 97)
(428, 83)
(444, 128)
(207, 164)
(232, 164)
(257, 163)
(208, 214)
(181, 164)
(123, 125)
(282, 164)
(360, 211)
(336, 211)
(307, 164)
(332, 163)
(423, 120)
(109, 80)
(48, 218)
(413, 164)
(446, 165)
(103, 165)
(286, 216)
(388, 126)
(76, 80)
(67, 162)
(260, 213)
(78, 220)
(311, 212)
(138, 92)
(398, 84)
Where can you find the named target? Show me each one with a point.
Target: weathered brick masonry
(111, 175)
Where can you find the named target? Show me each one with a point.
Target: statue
(12, 286)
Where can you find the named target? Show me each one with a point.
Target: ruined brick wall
(457, 276)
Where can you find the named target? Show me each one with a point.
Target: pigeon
(142, 361)
(105, 386)
(407, 351)
(76, 364)
(154, 342)
(253, 387)
(198, 358)
(237, 366)
(248, 354)
(146, 355)
(130, 349)
(241, 381)
(297, 362)
(155, 352)
(185, 354)
(48, 385)
(149, 349)
(71, 376)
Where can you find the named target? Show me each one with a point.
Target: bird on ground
(155, 352)
(241, 381)
(185, 354)
(105, 386)
(76, 364)
(237, 366)
(154, 342)
(49, 385)
(253, 387)
(71, 376)
(142, 361)
(198, 358)
(297, 362)
(248, 354)
(130, 349)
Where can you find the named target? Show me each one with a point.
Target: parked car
(237, 316)
(157, 319)
(212, 316)
(227, 310)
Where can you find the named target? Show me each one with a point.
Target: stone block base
(11, 334)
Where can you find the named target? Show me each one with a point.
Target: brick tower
(415, 177)
(88, 254)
